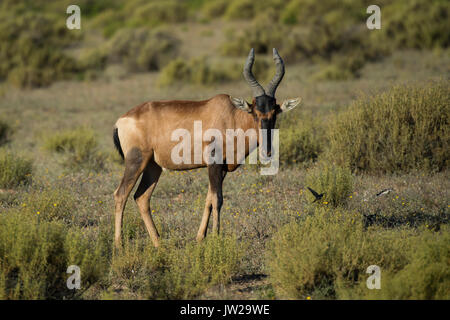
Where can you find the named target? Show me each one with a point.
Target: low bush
(201, 71)
(156, 13)
(32, 49)
(328, 252)
(262, 35)
(334, 73)
(334, 181)
(50, 205)
(416, 24)
(241, 9)
(80, 148)
(195, 71)
(214, 9)
(301, 143)
(173, 272)
(139, 14)
(138, 50)
(14, 170)
(402, 129)
(426, 275)
(35, 255)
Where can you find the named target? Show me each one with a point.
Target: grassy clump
(334, 181)
(173, 272)
(301, 142)
(241, 9)
(80, 148)
(138, 50)
(342, 67)
(425, 276)
(334, 73)
(403, 129)
(262, 35)
(50, 205)
(196, 71)
(32, 47)
(137, 14)
(14, 170)
(326, 256)
(35, 254)
(156, 13)
(201, 71)
(326, 251)
(416, 24)
(214, 9)
(327, 31)
(142, 49)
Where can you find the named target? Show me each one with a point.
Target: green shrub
(35, 254)
(329, 251)
(334, 73)
(158, 12)
(172, 272)
(80, 148)
(403, 129)
(200, 266)
(31, 49)
(416, 24)
(50, 205)
(5, 131)
(214, 9)
(334, 181)
(201, 71)
(308, 12)
(196, 71)
(136, 49)
(109, 21)
(344, 66)
(137, 14)
(427, 275)
(14, 170)
(93, 59)
(241, 9)
(262, 35)
(301, 142)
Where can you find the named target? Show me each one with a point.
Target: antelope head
(264, 107)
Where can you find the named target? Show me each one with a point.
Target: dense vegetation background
(374, 116)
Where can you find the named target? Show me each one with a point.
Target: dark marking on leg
(143, 195)
(134, 165)
(133, 162)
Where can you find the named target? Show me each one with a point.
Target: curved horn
(257, 89)
(272, 87)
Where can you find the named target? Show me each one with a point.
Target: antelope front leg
(216, 176)
(217, 205)
(201, 234)
(214, 200)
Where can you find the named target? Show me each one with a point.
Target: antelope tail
(117, 142)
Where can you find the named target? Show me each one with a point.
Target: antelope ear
(290, 104)
(241, 104)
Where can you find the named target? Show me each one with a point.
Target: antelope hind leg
(135, 163)
(143, 195)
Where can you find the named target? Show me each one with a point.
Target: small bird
(316, 195)
(383, 192)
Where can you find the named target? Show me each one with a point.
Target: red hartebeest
(143, 137)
